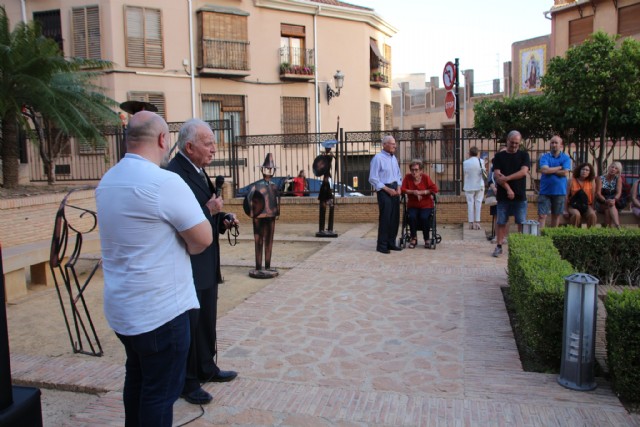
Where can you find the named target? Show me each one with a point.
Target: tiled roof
(341, 3)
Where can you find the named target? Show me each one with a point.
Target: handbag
(579, 201)
(485, 177)
(490, 198)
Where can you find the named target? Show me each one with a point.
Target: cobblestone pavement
(352, 337)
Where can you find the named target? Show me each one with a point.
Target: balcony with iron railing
(380, 75)
(296, 64)
(224, 57)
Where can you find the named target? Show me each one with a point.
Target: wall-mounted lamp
(339, 79)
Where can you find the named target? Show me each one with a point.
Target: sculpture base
(263, 274)
(326, 233)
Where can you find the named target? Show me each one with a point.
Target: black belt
(393, 185)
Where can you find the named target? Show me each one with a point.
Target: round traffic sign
(449, 75)
(450, 104)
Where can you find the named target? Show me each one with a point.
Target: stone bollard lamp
(579, 332)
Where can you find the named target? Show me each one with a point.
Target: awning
(375, 50)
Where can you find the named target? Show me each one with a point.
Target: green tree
(41, 90)
(494, 118)
(593, 91)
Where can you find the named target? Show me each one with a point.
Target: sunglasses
(414, 170)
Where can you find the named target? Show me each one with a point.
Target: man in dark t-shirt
(510, 174)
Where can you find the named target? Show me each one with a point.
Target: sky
(477, 32)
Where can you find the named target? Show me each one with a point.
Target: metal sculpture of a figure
(322, 167)
(262, 203)
(70, 290)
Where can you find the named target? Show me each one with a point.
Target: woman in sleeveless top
(608, 192)
(583, 179)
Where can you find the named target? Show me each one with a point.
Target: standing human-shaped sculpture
(262, 204)
(322, 167)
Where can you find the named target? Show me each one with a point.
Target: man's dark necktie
(204, 178)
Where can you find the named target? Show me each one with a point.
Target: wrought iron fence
(83, 161)
(240, 160)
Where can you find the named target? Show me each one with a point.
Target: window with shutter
(580, 29)
(144, 43)
(50, 23)
(629, 20)
(388, 117)
(86, 32)
(294, 115)
(155, 98)
(295, 120)
(225, 107)
(292, 49)
(224, 40)
(376, 124)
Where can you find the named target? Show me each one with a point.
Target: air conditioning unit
(438, 168)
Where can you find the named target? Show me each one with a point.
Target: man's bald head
(148, 136)
(145, 126)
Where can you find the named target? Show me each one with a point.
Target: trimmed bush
(607, 253)
(623, 343)
(536, 281)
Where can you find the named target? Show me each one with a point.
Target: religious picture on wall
(532, 68)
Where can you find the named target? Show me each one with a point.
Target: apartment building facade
(268, 66)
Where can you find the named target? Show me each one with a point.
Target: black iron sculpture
(63, 268)
(262, 203)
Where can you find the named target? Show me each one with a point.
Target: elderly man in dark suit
(197, 146)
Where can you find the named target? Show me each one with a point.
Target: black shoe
(197, 397)
(395, 248)
(222, 377)
(383, 250)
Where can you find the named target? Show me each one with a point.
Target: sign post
(450, 104)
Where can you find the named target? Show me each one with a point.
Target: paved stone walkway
(351, 337)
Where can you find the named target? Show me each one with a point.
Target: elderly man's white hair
(387, 138)
(188, 132)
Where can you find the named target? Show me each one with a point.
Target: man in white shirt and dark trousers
(385, 177)
(149, 224)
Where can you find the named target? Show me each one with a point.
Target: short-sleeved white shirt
(147, 271)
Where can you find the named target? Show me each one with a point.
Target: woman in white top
(474, 186)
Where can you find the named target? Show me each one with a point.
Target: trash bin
(579, 332)
(531, 226)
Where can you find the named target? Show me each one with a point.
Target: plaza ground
(345, 336)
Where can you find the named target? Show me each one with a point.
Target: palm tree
(40, 89)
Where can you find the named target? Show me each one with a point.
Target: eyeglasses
(415, 169)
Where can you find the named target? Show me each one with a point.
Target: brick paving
(351, 337)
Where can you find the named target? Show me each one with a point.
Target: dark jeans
(155, 371)
(388, 219)
(420, 217)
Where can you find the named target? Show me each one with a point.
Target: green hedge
(623, 343)
(609, 254)
(536, 281)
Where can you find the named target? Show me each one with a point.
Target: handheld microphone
(219, 185)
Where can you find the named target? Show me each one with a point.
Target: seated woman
(635, 200)
(608, 194)
(419, 189)
(583, 179)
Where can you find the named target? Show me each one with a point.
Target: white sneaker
(497, 252)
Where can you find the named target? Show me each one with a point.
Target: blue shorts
(515, 208)
(550, 204)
